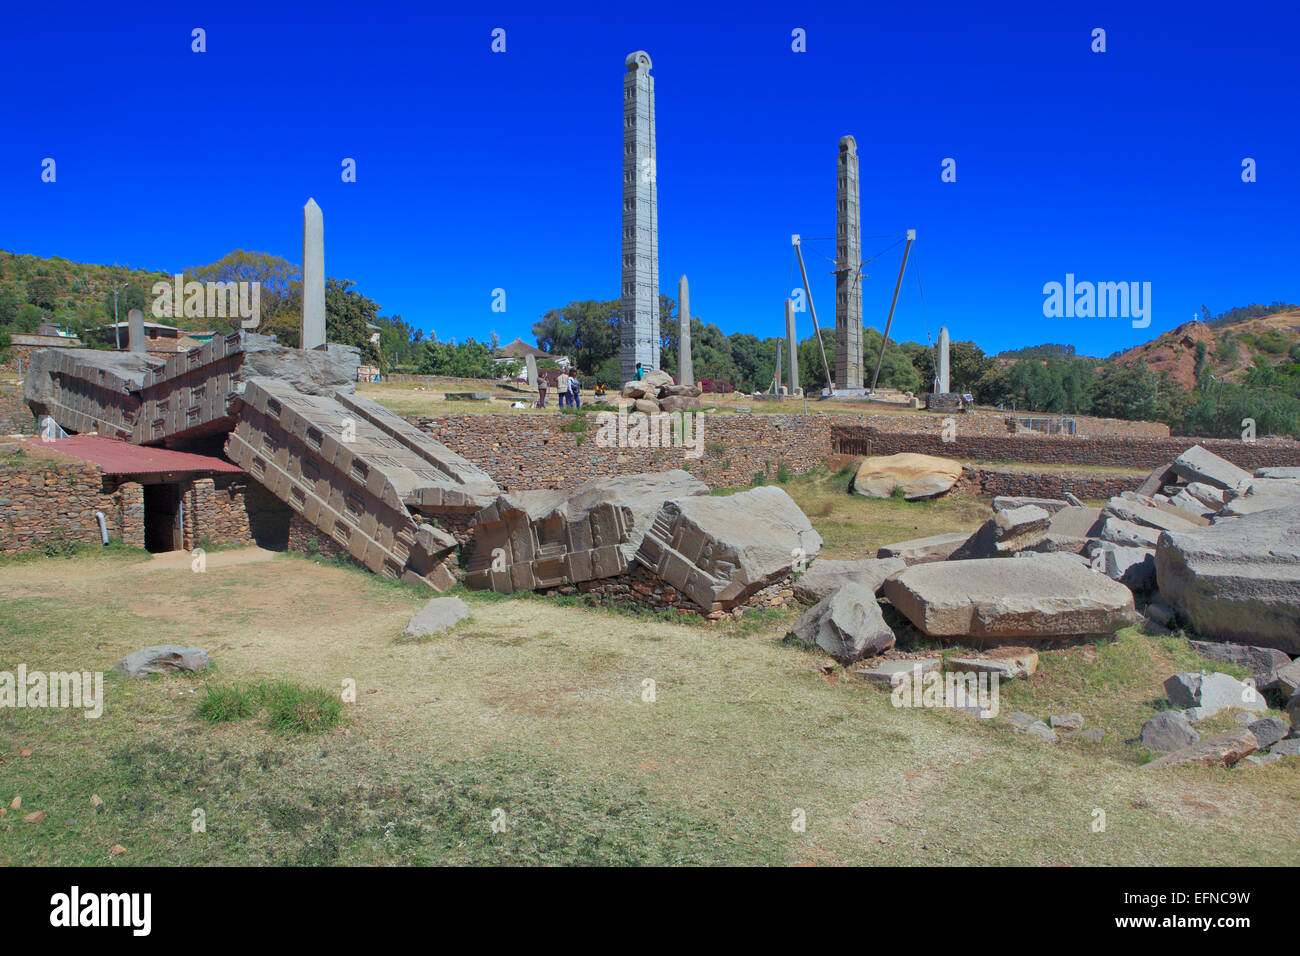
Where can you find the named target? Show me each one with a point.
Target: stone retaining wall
(978, 480)
(49, 503)
(1118, 452)
(528, 451)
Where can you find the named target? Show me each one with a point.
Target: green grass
(289, 707)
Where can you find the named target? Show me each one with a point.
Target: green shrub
(290, 707)
(220, 704)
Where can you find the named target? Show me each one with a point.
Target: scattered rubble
(1221, 750)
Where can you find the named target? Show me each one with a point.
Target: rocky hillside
(1230, 350)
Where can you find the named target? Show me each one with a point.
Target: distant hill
(75, 295)
(1230, 346)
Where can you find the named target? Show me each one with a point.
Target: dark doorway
(162, 518)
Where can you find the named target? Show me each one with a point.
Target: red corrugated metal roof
(123, 458)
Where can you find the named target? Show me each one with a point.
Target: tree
(278, 297)
(587, 332)
(348, 315)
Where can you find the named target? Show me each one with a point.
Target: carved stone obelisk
(312, 333)
(135, 331)
(685, 371)
(790, 344)
(640, 320)
(941, 364)
(848, 262)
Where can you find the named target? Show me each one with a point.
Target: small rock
(1221, 750)
(1022, 721)
(1212, 693)
(1067, 722)
(1023, 664)
(163, 658)
(1168, 731)
(436, 616)
(892, 673)
(1258, 760)
(1042, 732)
(1269, 730)
(1287, 748)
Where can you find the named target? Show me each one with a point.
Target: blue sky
(478, 171)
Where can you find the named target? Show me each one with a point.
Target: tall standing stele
(640, 324)
(848, 263)
(792, 347)
(312, 333)
(685, 369)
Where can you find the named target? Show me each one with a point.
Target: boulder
(435, 617)
(679, 403)
(1285, 681)
(1184, 501)
(1264, 663)
(1168, 731)
(1237, 580)
(1197, 464)
(1050, 505)
(635, 389)
(1078, 559)
(1221, 750)
(720, 550)
(1255, 504)
(938, 547)
(1157, 479)
(919, 476)
(1291, 473)
(1210, 694)
(689, 391)
(1073, 501)
(1161, 519)
(995, 599)
(847, 625)
(1070, 529)
(1007, 532)
(656, 378)
(1133, 567)
(1272, 488)
(163, 659)
(1269, 730)
(1021, 721)
(647, 405)
(1287, 748)
(1128, 534)
(1067, 722)
(826, 575)
(1207, 495)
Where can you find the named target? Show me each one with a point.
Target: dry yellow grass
(538, 709)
